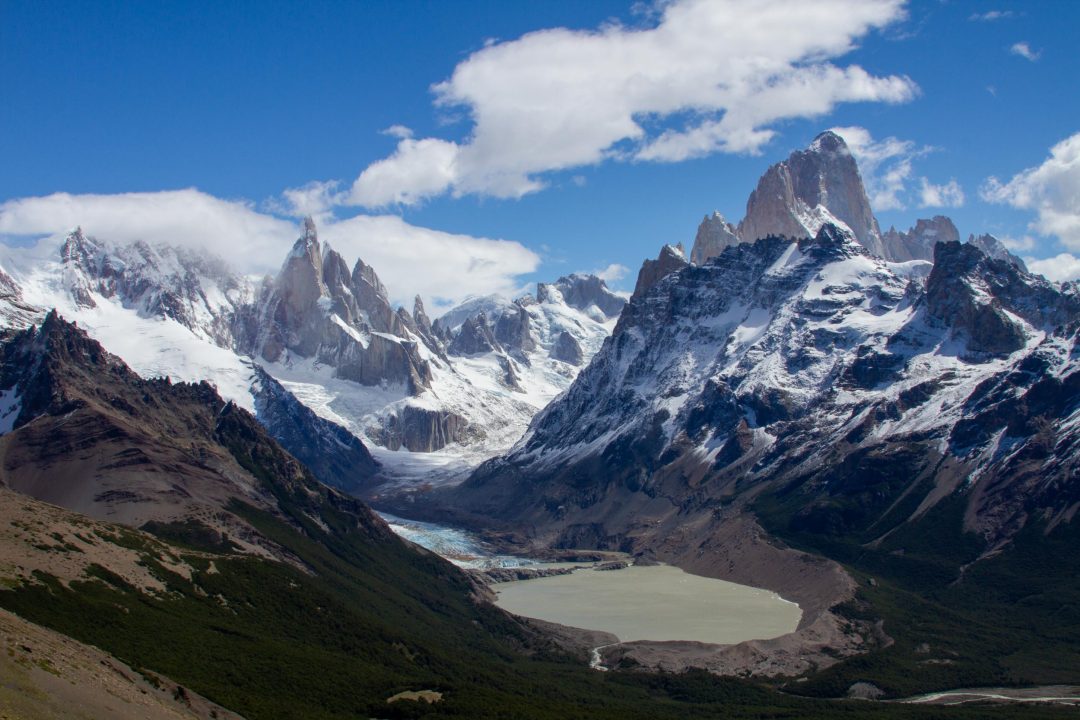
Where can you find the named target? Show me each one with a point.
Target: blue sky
(458, 156)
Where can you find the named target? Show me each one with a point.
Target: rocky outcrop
(987, 300)
(587, 293)
(996, 249)
(713, 235)
(513, 330)
(670, 260)
(15, 312)
(918, 242)
(194, 289)
(810, 364)
(567, 349)
(474, 338)
(317, 308)
(420, 429)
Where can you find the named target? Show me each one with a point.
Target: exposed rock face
(918, 242)
(419, 429)
(474, 338)
(791, 195)
(669, 261)
(15, 312)
(713, 235)
(513, 330)
(995, 249)
(567, 349)
(333, 454)
(814, 187)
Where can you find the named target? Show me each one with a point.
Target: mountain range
(883, 427)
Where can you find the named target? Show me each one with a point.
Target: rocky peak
(670, 260)
(513, 329)
(582, 292)
(420, 316)
(918, 242)
(474, 337)
(713, 235)
(796, 196)
(969, 291)
(996, 249)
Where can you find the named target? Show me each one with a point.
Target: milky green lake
(658, 602)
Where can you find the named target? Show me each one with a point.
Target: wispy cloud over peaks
(705, 76)
(444, 267)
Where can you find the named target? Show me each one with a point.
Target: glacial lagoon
(656, 602)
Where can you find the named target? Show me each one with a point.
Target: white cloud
(1051, 190)
(887, 169)
(724, 70)
(316, 198)
(612, 273)
(442, 267)
(187, 218)
(948, 195)
(399, 131)
(1024, 50)
(991, 15)
(885, 165)
(1065, 266)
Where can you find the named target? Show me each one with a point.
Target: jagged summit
(813, 187)
(713, 235)
(790, 193)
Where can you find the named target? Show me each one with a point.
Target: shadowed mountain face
(89, 434)
(809, 365)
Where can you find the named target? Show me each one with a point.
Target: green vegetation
(271, 641)
(1011, 619)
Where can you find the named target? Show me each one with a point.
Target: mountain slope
(807, 386)
(346, 616)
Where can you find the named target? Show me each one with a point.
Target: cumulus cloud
(443, 267)
(888, 172)
(885, 165)
(706, 76)
(1024, 50)
(1065, 266)
(948, 195)
(1051, 190)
